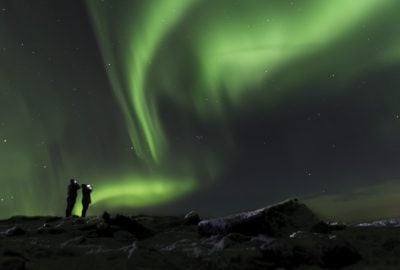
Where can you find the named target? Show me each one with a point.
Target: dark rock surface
(323, 227)
(191, 218)
(276, 220)
(14, 231)
(120, 222)
(282, 236)
(306, 248)
(12, 264)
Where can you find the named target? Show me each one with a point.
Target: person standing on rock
(86, 199)
(71, 196)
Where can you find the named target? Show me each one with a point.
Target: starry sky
(218, 106)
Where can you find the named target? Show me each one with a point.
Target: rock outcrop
(277, 220)
(286, 235)
(191, 218)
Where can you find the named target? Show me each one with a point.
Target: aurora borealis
(211, 105)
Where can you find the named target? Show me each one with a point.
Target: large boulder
(276, 220)
(191, 218)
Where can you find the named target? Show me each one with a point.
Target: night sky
(218, 105)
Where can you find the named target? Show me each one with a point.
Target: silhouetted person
(71, 196)
(86, 200)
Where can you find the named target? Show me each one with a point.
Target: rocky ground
(283, 236)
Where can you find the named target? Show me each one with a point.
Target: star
(199, 137)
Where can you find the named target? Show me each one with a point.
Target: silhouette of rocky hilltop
(287, 235)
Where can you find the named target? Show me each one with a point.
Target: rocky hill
(283, 236)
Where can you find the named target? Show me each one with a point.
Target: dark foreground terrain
(283, 236)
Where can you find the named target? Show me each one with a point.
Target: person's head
(87, 187)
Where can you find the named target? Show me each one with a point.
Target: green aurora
(171, 74)
(240, 44)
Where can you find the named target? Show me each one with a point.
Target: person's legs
(73, 200)
(84, 209)
(68, 211)
(70, 206)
